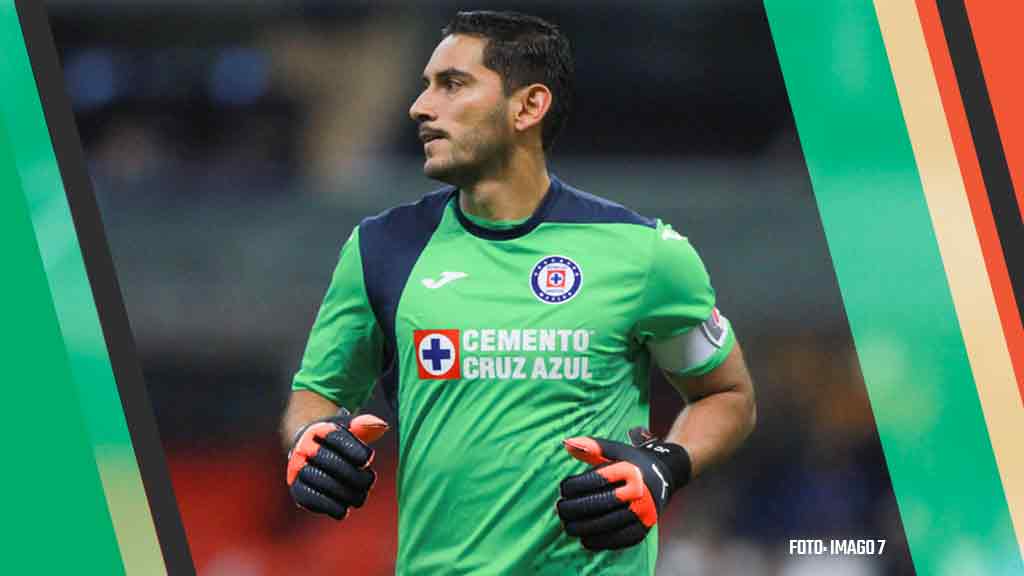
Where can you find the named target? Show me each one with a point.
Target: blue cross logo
(435, 354)
(556, 278)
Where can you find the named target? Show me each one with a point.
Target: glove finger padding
(630, 535)
(587, 506)
(325, 484)
(605, 488)
(349, 447)
(315, 501)
(617, 519)
(581, 484)
(341, 469)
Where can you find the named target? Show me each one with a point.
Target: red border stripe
(977, 195)
(997, 28)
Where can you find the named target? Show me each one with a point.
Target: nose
(420, 111)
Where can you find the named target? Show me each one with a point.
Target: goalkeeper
(511, 321)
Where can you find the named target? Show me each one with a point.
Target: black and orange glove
(615, 504)
(329, 463)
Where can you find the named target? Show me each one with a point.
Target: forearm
(712, 428)
(303, 408)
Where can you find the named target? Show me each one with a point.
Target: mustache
(427, 133)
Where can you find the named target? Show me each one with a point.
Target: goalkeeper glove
(329, 463)
(615, 504)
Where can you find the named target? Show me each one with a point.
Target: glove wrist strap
(676, 459)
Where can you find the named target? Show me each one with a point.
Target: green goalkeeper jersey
(493, 344)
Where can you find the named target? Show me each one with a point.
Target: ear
(533, 102)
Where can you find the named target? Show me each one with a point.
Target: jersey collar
(539, 215)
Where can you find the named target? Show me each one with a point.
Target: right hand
(329, 463)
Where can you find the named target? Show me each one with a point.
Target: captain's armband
(695, 351)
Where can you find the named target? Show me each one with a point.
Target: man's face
(462, 112)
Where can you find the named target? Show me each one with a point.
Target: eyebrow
(450, 73)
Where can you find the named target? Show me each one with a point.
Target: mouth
(427, 135)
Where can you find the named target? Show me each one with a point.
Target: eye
(452, 84)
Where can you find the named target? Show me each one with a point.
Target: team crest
(437, 354)
(556, 279)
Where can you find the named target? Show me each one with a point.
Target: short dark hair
(524, 50)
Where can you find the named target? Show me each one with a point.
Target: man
(511, 320)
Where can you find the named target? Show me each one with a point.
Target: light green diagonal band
(894, 287)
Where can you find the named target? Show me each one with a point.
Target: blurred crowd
(234, 145)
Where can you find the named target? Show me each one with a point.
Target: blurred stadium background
(234, 144)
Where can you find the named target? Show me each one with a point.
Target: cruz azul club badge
(556, 279)
(437, 354)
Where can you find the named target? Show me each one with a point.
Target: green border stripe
(894, 287)
(53, 496)
(99, 405)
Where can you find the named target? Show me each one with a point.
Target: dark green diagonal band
(97, 499)
(893, 284)
(52, 497)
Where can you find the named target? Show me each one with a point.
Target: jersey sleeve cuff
(329, 393)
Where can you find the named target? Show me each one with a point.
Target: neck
(513, 193)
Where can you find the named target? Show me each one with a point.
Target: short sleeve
(343, 355)
(678, 294)
(678, 299)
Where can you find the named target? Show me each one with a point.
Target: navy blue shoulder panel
(576, 206)
(390, 244)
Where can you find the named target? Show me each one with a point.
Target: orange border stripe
(977, 195)
(997, 37)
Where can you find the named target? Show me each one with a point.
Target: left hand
(615, 504)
